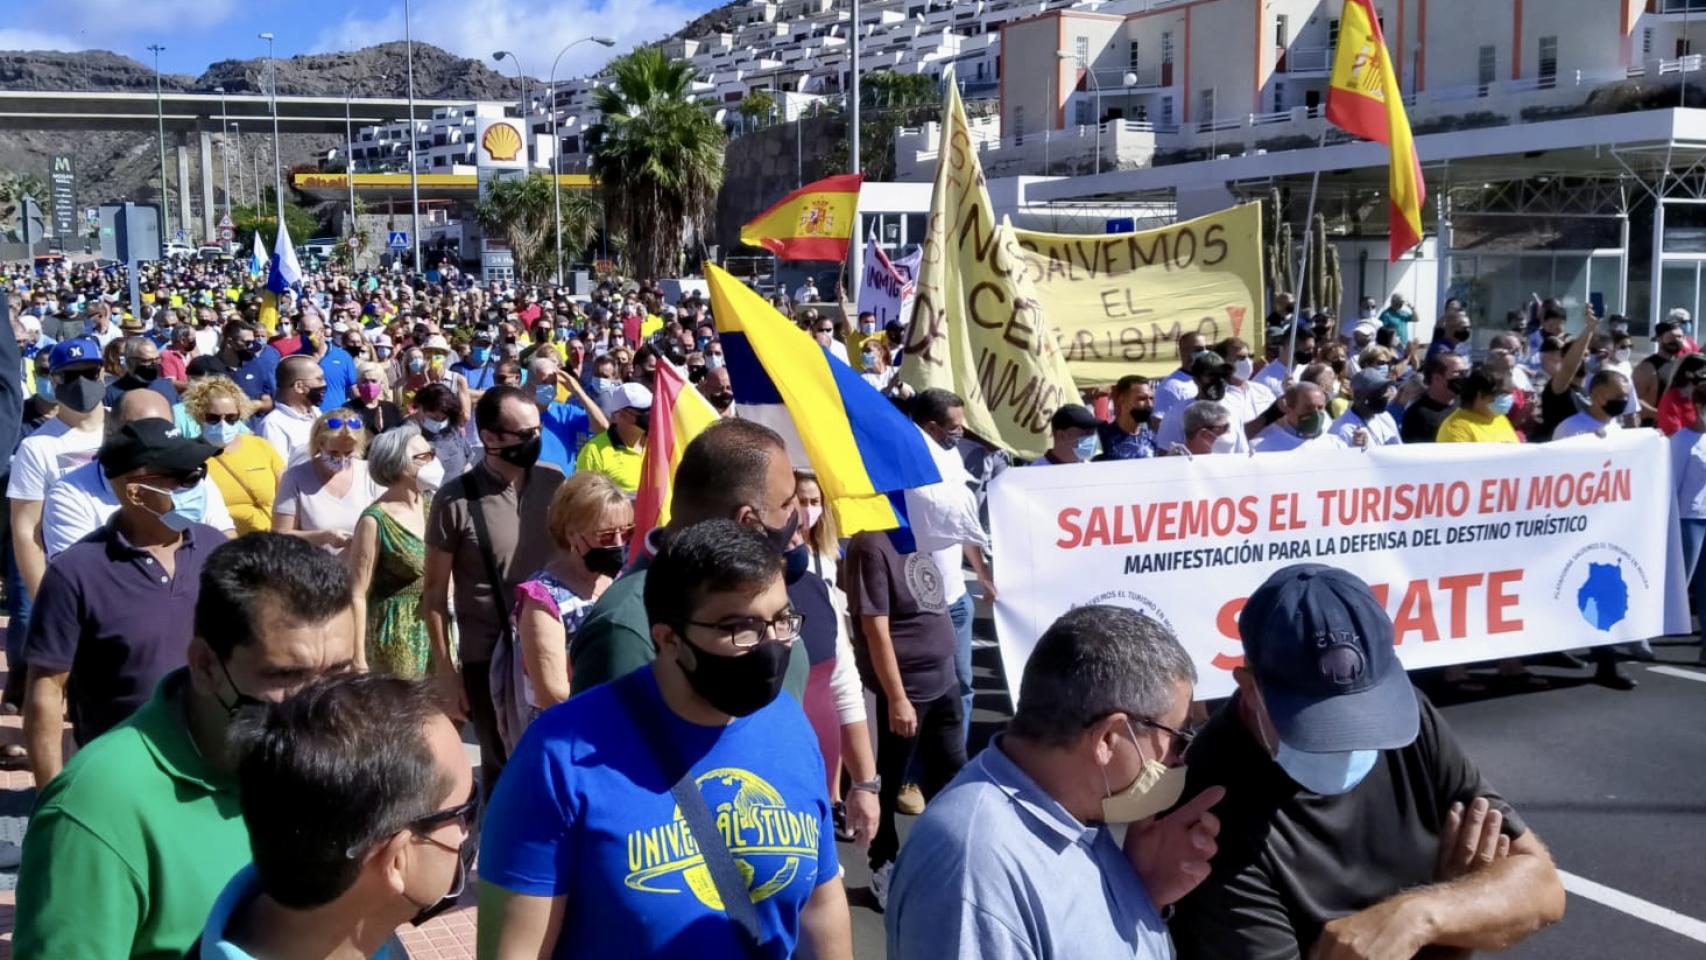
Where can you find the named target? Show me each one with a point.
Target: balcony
(1305, 61)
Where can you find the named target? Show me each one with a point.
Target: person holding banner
(1208, 429)
(1180, 387)
(1367, 423)
(1353, 825)
(1302, 424)
(1014, 859)
(1485, 398)
(1210, 374)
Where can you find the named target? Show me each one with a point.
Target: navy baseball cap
(1320, 647)
(73, 351)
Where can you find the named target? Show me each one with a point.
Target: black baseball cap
(1320, 647)
(1208, 363)
(153, 443)
(1073, 416)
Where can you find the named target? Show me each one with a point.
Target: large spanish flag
(1363, 99)
(812, 223)
(862, 448)
(679, 413)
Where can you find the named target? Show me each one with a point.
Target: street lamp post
(557, 148)
(1096, 103)
(224, 148)
(414, 173)
(160, 119)
(349, 163)
(237, 134)
(277, 158)
(855, 248)
(526, 124)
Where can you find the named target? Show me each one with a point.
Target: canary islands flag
(679, 413)
(812, 223)
(258, 259)
(1363, 99)
(285, 274)
(861, 447)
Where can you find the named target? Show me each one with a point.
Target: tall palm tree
(522, 210)
(659, 155)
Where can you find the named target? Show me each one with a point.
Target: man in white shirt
(82, 500)
(1279, 373)
(1610, 396)
(1179, 388)
(806, 292)
(1209, 374)
(101, 328)
(1367, 423)
(301, 387)
(1303, 425)
(62, 444)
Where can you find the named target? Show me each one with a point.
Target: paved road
(1615, 783)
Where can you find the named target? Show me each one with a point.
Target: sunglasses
(342, 423)
(213, 418)
(89, 373)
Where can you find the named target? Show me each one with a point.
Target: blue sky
(196, 33)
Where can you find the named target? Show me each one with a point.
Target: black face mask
(1616, 406)
(1461, 334)
(722, 401)
(1141, 415)
(457, 885)
(81, 394)
(524, 454)
(605, 561)
(1304, 357)
(779, 536)
(798, 561)
(738, 685)
(316, 396)
(147, 372)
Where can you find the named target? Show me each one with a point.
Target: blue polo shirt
(257, 375)
(339, 368)
(244, 887)
(478, 375)
(110, 617)
(997, 868)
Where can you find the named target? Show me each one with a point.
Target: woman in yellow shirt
(1485, 399)
(246, 468)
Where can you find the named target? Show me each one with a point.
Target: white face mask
(812, 516)
(1156, 789)
(430, 477)
(1620, 356)
(1243, 368)
(1225, 443)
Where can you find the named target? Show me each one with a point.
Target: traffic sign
(355, 241)
(182, 234)
(227, 233)
(225, 221)
(1121, 224)
(399, 240)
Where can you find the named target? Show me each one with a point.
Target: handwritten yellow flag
(977, 328)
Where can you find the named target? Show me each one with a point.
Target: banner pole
(1308, 234)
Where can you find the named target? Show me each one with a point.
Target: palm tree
(522, 210)
(659, 155)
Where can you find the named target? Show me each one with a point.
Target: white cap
(1369, 327)
(627, 395)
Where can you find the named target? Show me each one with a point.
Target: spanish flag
(678, 414)
(812, 223)
(1363, 99)
(861, 447)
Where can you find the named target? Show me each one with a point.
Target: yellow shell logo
(501, 142)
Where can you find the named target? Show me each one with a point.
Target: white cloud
(13, 39)
(535, 30)
(109, 24)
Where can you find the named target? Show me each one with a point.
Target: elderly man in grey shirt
(1017, 859)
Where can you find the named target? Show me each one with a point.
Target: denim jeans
(1693, 540)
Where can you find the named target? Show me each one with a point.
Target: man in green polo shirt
(129, 846)
(734, 469)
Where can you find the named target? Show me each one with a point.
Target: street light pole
(224, 149)
(237, 134)
(855, 247)
(414, 174)
(277, 158)
(160, 119)
(557, 147)
(349, 165)
(521, 77)
(1096, 103)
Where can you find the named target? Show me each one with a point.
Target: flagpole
(1308, 235)
(854, 251)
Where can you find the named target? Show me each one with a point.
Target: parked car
(178, 250)
(210, 252)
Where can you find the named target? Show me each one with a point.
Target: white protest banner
(886, 289)
(1478, 551)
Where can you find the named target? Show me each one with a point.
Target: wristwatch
(873, 785)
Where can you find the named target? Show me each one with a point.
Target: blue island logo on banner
(1599, 580)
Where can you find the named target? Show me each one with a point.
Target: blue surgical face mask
(1087, 447)
(221, 434)
(434, 425)
(188, 506)
(1325, 774)
(480, 355)
(545, 394)
(1502, 404)
(713, 361)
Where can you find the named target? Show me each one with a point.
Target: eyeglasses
(747, 632)
(613, 536)
(825, 329)
(1183, 737)
(178, 481)
(343, 423)
(213, 418)
(424, 457)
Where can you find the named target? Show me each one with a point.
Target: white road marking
(1654, 914)
(1699, 675)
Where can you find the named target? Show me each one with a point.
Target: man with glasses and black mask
(359, 806)
(1209, 375)
(1353, 825)
(679, 811)
(485, 534)
(1016, 857)
(253, 364)
(144, 820)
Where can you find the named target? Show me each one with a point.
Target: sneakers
(880, 879)
(911, 800)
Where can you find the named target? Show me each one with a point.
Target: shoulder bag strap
(483, 537)
(725, 875)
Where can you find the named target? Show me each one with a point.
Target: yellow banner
(977, 327)
(1119, 302)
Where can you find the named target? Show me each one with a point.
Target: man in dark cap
(111, 617)
(1072, 435)
(1353, 824)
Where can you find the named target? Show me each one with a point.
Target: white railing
(1308, 60)
(1278, 116)
(1113, 81)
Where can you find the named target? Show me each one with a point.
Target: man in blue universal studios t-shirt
(585, 851)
